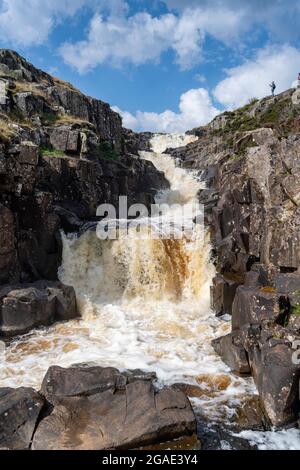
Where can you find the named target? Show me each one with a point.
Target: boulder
(19, 412)
(129, 418)
(65, 300)
(28, 306)
(23, 309)
(232, 352)
(84, 380)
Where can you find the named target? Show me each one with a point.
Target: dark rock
(24, 307)
(80, 381)
(232, 353)
(223, 292)
(19, 412)
(124, 419)
(85, 380)
(252, 306)
(221, 438)
(277, 380)
(287, 283)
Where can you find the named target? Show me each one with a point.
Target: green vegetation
(52, 152)
(18, 117)
(108, 152)
(49, 119)
(295, 309)
(9, 74)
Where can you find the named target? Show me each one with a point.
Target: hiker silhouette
(273, 87)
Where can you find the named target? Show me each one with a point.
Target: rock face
(62, 154)
(91, 408)
(19, 412)
(250, 161)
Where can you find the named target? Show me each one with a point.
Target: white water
(144, 304)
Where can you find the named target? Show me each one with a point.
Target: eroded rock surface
(19, 412)
(96, 408)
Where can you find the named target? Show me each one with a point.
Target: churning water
(144, 304)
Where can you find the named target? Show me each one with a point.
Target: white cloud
(30, 22)
(280, 18)
(196, 109)
(136, 39)
(252, 78)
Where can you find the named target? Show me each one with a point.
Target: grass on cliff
(49, 119)
(6, 133)
(108, 152)
(50, 152)
(26, 87)
(66, 85)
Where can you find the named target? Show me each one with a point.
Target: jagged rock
(251, 306)
(233, 353)
(7, 245)
(287, 283)
(19, 412)
(277, 380)
(137, 416)
(25, 307)
(84, 380)
(223, 292)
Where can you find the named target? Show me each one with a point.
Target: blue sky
(164, 65)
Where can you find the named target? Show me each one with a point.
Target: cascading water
(144, 305)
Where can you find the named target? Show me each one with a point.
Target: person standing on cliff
(273, 88)
(299, 80)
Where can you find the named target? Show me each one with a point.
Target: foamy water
(145, 304)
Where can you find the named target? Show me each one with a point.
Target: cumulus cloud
(279, 18)
(252, 78)
(196, 108)
(30, 22)
(136, 39)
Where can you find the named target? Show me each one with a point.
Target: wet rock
(19, 412)
(214, 437)
(232, 352)
(24, 307)
(223, 293)
(86, 380)
(277, 379)
(65, 300)
(138, 416)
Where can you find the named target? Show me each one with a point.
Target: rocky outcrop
(24, 307)
(91, 408)
(19, 413)
(250, 161)
(62, 154)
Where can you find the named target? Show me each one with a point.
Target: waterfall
(144, 304)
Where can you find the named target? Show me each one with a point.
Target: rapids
(144, 304)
